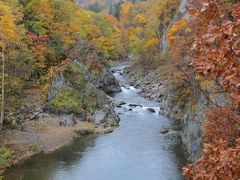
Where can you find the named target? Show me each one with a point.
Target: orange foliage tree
(217, 43)
(220, 158)
(222, 124)
(216, 55)
(220, 163)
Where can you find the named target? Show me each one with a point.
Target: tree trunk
(159, 38)
(3, 83)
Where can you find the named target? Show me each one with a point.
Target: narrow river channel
(134, 151)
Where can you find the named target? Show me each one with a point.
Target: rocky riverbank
(176, 104)
(77, 105)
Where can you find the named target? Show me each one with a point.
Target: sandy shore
(44, 136)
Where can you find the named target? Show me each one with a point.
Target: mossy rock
(75, 90)
(72, 101)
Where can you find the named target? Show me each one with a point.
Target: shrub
(4, 156)
(74, 101)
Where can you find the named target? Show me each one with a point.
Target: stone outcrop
(58, 83)
(107, 82)
(76, 93)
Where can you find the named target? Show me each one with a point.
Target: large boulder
(106, 116)
(112, 118)
(107, 82)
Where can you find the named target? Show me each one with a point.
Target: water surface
(134, 151)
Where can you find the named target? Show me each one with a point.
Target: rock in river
(107, 82)
(151, 110)
(163, 130)
(135, 105)
(120, 103)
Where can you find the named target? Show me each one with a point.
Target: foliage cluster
(78, 98)
(215, 30)
(221, 155)
(4, 156)
(216, 44)
(144, 23)
(221, 162)
(71, 100)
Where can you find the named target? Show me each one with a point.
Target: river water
(134, 151)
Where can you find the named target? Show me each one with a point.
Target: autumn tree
(215, 50)
(144, 24)
(216, 44)
(7, 27)
(221, 155)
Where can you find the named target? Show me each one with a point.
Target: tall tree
(7, 27)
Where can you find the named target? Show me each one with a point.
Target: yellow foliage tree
(7, 35)
(177, 27)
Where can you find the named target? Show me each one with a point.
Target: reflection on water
(44, 166)
(134, 151)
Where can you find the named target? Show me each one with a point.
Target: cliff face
(191, 113)
(179, 13)
(190, 110)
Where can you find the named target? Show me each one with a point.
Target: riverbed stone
(84, 132)
(151, 110)
(99, 117)
(109, 130)
(174, 136)
(120, 103)
(135, 105)
(81, 116)
(68, 121)
(163, 130)
(35, 115)
(112, 118)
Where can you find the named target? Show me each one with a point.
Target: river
(134, 151)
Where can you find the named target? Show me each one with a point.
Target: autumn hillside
(39, 36)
